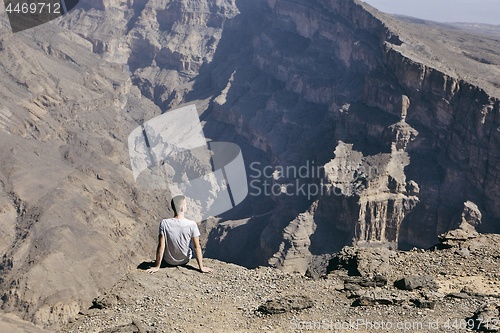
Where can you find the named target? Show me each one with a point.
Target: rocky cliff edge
(455, 287)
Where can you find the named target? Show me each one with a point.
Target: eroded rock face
(332, 83)
(294, 254)
(292, 79)
(287, 80)
(379, 184)
(374, 186)
(67, 199)
(163, 43)
(382, 198)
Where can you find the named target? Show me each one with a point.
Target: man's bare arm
(199, 255)
(159, 254)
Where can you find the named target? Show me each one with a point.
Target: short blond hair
(177, 203)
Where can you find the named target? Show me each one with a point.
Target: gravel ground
(181, 299)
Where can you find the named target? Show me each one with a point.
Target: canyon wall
(335, 72)
(393, 145)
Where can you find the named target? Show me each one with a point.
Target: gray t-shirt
(178, 234)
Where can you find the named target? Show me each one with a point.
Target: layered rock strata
(286, 80)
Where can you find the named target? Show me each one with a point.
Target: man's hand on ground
(205, 270)
(153, 270)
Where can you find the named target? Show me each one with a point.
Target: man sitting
(174, 238)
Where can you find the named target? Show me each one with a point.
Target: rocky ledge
(446, 288)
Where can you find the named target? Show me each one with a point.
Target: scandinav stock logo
(170, 152)
(26, 14)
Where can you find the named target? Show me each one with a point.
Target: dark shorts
(165, 264)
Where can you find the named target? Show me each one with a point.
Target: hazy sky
(481, 11)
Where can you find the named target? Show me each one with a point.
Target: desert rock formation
(294, 83)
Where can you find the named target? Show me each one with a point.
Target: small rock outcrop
(471, 214)
(363, 262)
(470, 219)
(457, 236)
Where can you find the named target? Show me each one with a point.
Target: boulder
(416, 282)
(486, 318)
(376, 281)
(380, 297)
(424, 303)
(366, 262)
(471, 214)
(286, 304)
